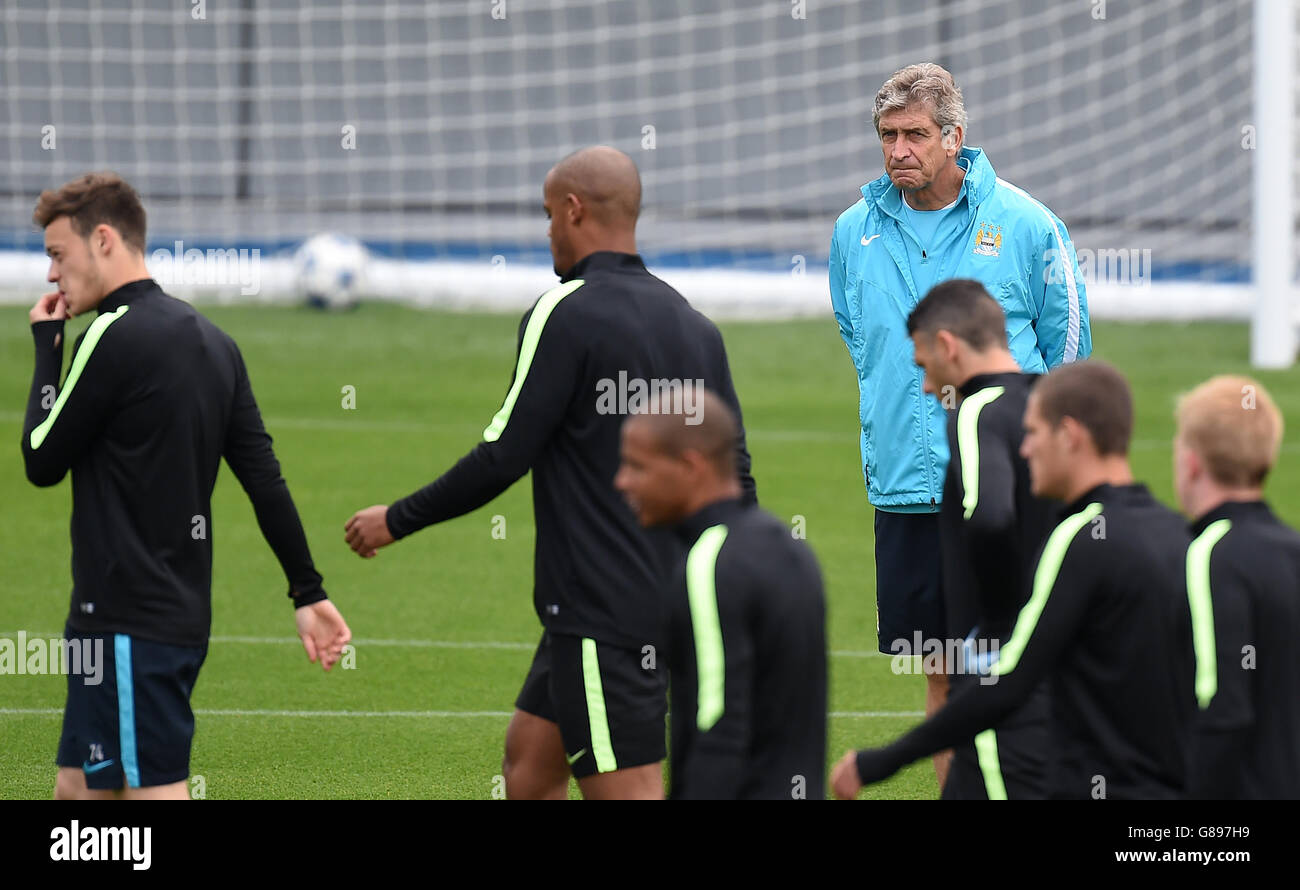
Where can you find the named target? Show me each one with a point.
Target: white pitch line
(284, 641)
(417, 644)
(261, 712)
(254, 712)
(37, 712)
(424, 644)
(402, 426)
(359, 425)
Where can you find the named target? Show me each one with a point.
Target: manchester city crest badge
(988, 240)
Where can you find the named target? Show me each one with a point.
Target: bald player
(1243, 581)
(747, 615)
(590, 351)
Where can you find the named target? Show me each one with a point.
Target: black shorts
(1007, 762)
(909, 581)
(609, 708)
(135, 726)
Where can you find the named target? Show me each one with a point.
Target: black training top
(155, 397)
(991, 525)
(747, 660)
(590, 352)
(1244, 583)
(1108, 624)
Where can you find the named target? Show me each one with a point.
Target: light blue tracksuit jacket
(1017, 248)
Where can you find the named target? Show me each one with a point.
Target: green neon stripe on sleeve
(986, 747)
(1202, 606)
(527, 349)
(710, 659)
(93, 333)
(968, 441)
(1049, 566)
(601, 746)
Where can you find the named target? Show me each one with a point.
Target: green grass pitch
(443, 621)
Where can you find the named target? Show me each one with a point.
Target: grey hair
(923, 83)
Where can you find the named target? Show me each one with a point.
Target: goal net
(425, 130)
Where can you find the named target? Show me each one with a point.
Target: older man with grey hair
(938, 212)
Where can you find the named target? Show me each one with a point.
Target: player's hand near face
(367, 530)
(50, 307)
(323, 632)
(845, 782)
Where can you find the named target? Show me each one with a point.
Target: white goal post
(1276, 170)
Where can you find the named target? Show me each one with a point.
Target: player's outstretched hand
(323, 632)
(845, 782)
(367, 531)
(50, 307)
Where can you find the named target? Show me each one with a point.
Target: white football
(330, 270)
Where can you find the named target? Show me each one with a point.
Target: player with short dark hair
(990, 526)
(155, 397)
(1243, 580)
(591, 706)
(746, 611)
(1107, 620)
(964, 308)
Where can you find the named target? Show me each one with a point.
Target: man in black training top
(590, 351)
(747, 616)
(1107, 619)
(990, 525)
(155, 397)
(1243, 578)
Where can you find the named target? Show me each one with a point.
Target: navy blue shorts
(134, 727)
(610, 708)
(909, 581)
